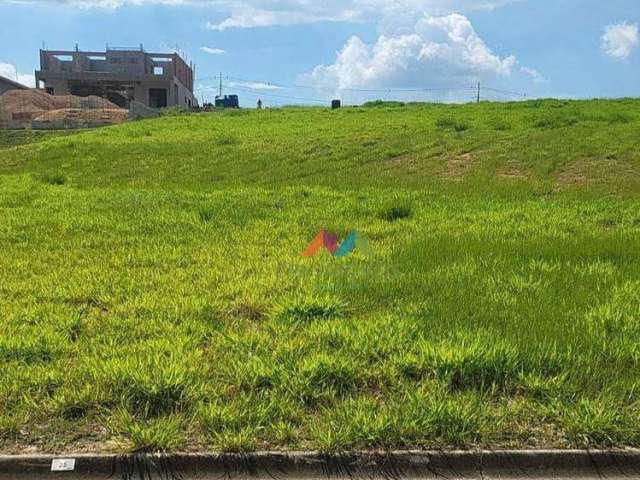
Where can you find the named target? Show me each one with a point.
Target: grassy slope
(154, 296)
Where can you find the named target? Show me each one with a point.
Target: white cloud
(254, 85)
(441, 50)
(249, 17)
(534, 74)
(620, 40)
(9, 71)
(213, 51)
(263, 13)
(104, 4)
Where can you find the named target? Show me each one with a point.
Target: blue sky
(568, 48)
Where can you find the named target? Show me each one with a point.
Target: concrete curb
(505, 464)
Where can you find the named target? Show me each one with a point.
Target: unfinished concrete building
(121, 75)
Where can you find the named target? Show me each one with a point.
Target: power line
(266, 94)
(506, 92)
(346, 89)
(258, 87)
(405, 90)
(259, 91)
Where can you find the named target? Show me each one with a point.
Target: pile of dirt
(95, 116)
(24, 106)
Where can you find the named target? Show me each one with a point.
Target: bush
(383, 103)
(54, 179)
(397, 212)
(451, 124)
(556, 121)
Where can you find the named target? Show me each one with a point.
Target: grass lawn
(153, 295)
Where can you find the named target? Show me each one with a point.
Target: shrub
(556, 121)
(383, 103)
(54, 179)
(451, 124)
(397, 212)
(501, 126)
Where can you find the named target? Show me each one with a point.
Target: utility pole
(478, 92)
(220, 84)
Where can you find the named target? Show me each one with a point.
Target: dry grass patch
(460, 165)
(512, 172)
(574, 175)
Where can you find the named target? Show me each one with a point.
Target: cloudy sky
(288, 51)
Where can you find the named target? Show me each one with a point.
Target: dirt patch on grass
(570, 177)
(403, 161)
(587, 171)
(512, 173)
(247, 311)
(597, 169)
(458, 166)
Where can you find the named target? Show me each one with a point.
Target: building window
(158, 70)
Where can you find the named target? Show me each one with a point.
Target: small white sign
(63, 465)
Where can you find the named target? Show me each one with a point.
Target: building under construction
(120, 75)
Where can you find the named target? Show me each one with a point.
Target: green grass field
(153, 295)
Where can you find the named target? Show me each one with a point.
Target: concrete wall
(58, 87)
(177, 94)
(120, 62)
(186, 99)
